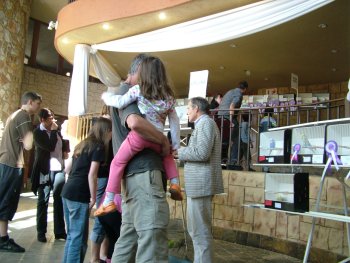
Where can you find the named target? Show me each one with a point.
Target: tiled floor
(23, 230)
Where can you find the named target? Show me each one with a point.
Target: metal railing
(84, 124)
(284, 116)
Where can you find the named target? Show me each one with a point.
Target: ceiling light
(334, 51)
(106, 26)
(233, 45)
(266, 79)
(162, 16)
(322, 26)
(334, 69)
(247, 72)
(68, 74)
(222, 67)
(65, 40)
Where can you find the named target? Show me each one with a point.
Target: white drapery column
(348, 95)
(77, 103)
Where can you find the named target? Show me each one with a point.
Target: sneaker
(103, 210)
(42, 238)
(175, 192)
(61, 236)
(11, 246)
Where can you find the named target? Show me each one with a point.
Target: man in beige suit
(203, 177)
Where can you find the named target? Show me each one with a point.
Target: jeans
(98, 233)
(77, 217)
(56, 183)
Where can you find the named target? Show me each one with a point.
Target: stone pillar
(14, 19)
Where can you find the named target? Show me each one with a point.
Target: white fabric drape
(207, 30)
(348, 95)
(77, 103)
(104, 71)
(216, 28)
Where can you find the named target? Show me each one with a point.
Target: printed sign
(294, 81)
(198, 84)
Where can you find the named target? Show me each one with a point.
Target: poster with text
(198, 84)
(294, 81)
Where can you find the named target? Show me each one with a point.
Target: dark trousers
(11, 180)
(235, 142)
(244, 148)
(111, 224)
(56, 183)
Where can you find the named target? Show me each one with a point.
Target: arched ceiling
(299, 46)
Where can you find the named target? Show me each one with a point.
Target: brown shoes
(175, 192)
(103, 210)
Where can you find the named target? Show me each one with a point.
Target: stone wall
(274, 230)
(14, 17)
(55, 90)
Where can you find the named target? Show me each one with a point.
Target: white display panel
(340, 133)
(311, 140)
(279, 187)
(272, 143)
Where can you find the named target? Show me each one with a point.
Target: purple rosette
(292, 103)
(331, 150)
(296, 150)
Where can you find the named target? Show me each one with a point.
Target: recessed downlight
(65, 40)
(334, 51)
(162, 16)
(106, 26)
(322, 25)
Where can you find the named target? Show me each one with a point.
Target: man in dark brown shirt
(17, 136)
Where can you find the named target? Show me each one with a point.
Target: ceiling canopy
(315, 46)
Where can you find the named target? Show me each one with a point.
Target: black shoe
(42, 238)
(11, 246)
(234, 167)
(61, 236)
